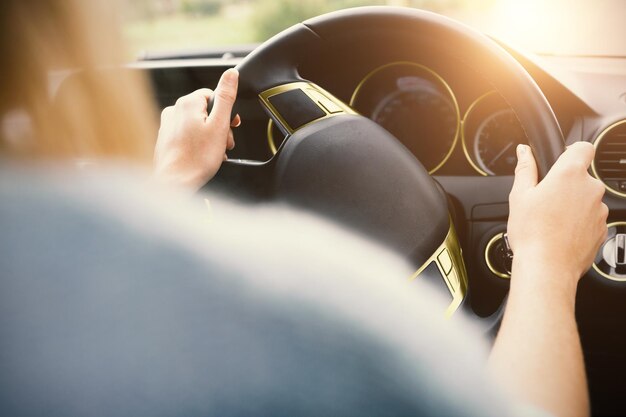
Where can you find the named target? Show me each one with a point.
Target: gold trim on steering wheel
(449, 261)
(270, 137)
(326, 102)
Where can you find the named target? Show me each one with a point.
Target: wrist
(181, 178)
(550, 259)
(540, 272)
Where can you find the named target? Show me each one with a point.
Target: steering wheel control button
(610, 262)
(453, 279)
(294, 105)
(432, 274)
(446, 266)
(445, 261)
(328, 105)
(296, 108)
(498, 256)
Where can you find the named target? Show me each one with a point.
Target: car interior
(337, 109)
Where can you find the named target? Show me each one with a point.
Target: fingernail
(521, 151)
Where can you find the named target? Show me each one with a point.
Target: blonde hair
(103, 111)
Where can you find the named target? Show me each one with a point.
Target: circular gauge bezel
(433, 76)
(466, 116)
(470, 154)
(490, 265)
(475, 151)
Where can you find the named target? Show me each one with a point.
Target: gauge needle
(495, 158)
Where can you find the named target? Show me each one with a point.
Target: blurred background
(561, 27)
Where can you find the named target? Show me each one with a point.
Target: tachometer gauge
(415, 105)
(491, 132)
(496, 140)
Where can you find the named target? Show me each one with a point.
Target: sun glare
(567, 26)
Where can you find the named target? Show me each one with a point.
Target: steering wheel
(343, 165)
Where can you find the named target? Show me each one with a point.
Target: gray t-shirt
(121, 299)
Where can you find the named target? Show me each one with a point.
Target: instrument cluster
(418, 106)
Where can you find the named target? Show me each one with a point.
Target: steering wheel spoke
(246, 179)
(295, 105)
(446, 264)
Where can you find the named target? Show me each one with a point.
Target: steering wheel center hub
(355, 172)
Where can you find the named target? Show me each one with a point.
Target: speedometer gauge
(491, 132)
(415, 105)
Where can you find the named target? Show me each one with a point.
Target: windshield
(561, 27)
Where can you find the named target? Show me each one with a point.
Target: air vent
(609, 164)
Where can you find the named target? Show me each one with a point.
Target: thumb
(525, 171)
(224, 98)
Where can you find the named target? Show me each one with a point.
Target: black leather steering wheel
(345, 166)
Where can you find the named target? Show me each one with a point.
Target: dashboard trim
(596, 143)
(490, 266)
(448, 258)
(439, 78)
(468, 112)
(597, 269)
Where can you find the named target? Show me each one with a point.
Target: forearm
(537, 354)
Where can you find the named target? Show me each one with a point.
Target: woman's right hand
(562, 219)
(192, 142)
(555, 229)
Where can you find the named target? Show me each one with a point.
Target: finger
(577, 154)
(604, 213)
(601, 235)
(196, 101)
(525, 171)
(225, 158)
(207, 93)
(224, 98)
(230, 143)
(599, 187)
(165, 114)
(236, 121)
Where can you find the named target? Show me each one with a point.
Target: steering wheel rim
(287, 49)
(272, 70)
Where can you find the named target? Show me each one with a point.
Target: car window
(564, 27)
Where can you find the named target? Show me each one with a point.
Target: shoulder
(142, 302)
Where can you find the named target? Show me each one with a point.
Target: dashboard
(464, 133)
(453, 121)
(441, 109)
